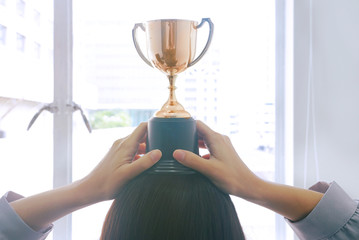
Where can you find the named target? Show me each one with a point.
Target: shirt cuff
(12, 226)
(332, 212)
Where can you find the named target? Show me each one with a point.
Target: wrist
(88, 192)
(253, 190)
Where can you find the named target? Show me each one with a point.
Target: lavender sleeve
(335, 217)
(12, 226)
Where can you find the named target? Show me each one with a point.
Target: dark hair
(171, 207)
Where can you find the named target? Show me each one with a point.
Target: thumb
(145, 162)
(193, 161)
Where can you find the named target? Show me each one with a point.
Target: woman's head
(165, 206)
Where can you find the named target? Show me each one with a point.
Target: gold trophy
(171, 48)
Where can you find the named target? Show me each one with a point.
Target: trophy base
(167, 135)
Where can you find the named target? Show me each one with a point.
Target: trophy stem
(172, 108)
(172, 98)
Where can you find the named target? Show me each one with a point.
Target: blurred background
(280, 79)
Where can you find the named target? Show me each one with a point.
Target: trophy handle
(211, 26)
(137, 46)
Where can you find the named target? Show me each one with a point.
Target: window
(2, 34)
(20, 7)
(190, 89)
(20, 42)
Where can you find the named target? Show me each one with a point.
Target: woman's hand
(122, 163)
(228, 172)
(222, 165)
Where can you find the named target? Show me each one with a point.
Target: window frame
(62, 132)
(280, 106)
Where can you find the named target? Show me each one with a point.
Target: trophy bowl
(171, 48)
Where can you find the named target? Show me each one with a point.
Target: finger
(201, 143)
(141, 148)
(144, 138)
(138, 135)
(143, 163)
(205, 132)
(132, 142)
(207, 156)
(194, 161)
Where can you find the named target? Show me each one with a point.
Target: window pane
(231, 88)
(26, 52)
(26, 84)
(26, 156)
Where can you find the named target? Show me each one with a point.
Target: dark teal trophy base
(167, 135)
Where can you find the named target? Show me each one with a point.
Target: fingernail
(179, 155)
(155, 155)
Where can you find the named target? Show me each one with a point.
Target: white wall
(335, 42)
